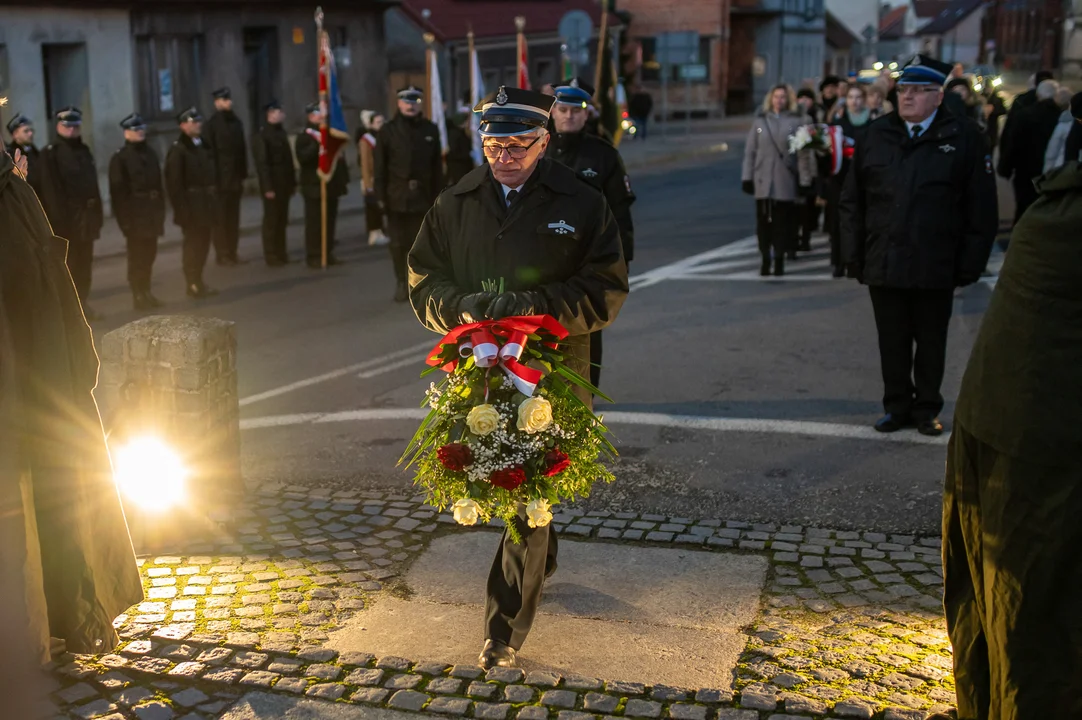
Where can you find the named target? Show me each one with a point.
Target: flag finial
(520, 23)
(319, 16)
(429, 38)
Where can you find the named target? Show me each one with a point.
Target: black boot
(140, 300)
(154, 302)
(764, 269)
(779, 266)
(401, 293)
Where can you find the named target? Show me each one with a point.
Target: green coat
(67, 568)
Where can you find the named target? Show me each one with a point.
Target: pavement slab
(264, 706)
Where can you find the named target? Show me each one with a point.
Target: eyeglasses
(916, 89)
(515, 152)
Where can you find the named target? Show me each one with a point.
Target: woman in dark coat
(852, 121)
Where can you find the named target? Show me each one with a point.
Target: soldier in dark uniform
(409, 176)
(22, 138)
(598, 163)
(71, 198)
(277, 180)
(918, 217)
(459, 149)
(190, 180)
(225, 135)
(554, 241)
(135, 186)
(307, 147)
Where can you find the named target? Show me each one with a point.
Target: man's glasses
(916, 89)
(515, 152)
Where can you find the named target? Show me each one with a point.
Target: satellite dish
(575, 28)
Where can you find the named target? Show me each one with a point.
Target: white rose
(537, 513)
(483, 419)
(467, 512)
(534, 415)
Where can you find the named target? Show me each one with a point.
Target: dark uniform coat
(225, 133)
(69, 190)
(67, 568)
(32, 155)
(135, 186)
(409, 165)
(919, 213)
(459, 153)
(1013, 494)
(274, 161)
(1023, 157)
(469, 236)
(191, 181)
(307, 147)
(599, 164)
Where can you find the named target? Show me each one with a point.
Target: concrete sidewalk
(706, 137)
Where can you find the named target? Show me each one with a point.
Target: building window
(543, 72)
(491, 78)
(169, 73)
(651, 69)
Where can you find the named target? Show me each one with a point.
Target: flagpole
(473, 66)
(430, 113)
(520, 25)
(322, 129)
(601, 49)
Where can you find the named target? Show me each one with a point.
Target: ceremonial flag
(477, 92)
(523, 55)
(435, 98)
(333, 133)
(606, 100)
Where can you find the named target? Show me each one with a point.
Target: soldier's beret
(513, 111)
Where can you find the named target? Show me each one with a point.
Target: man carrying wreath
(554, 243)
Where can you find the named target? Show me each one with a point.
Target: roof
(928, 9)
(892, 25)
(452, 19)
(838, 34)
(955, 12)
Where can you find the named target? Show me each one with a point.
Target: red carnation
(508, 478)
(455, 456)
(556, 462)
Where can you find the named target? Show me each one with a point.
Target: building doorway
(67, 82)
(261, 63)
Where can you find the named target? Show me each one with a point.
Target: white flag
(437, 103)
(477, 92)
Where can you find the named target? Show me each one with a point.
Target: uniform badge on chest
(589, 172)
(946, 148)
(561, 228)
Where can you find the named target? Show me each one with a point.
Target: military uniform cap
(272, 105)
(70, 116)
(134, 121)
(924, 70)
(17, 122)
(412, 93)
(222, 93)
(311, 108)
(191, 113)
(574, 91)
(513, 111)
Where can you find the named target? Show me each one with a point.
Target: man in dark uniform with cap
(598, 163)
(21, 130)
(307, 147)
(273, 158)
(409, 176)
(191, 181)
(554, 241)
(918, 217)
(71, 198)
(225, 135)
(135, 186)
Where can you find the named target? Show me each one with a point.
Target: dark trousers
(809, 220)
(275, 222)
(373, 214)
(141, 254)
(80, 260)
(1024, 196)
(313, 225)
(595, 359)
(403, 228)
(905, 317)
(227, 231)
(834, 226)
(194, 251)
(1013, 579)
(515, 582)
(776, 227)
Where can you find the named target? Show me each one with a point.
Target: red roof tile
(452, 19)
(889, 23)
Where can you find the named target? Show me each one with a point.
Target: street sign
(677, 48)
(693, 72)
(575, 28)
(868, 33)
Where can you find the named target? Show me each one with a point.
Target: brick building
(1022, 36)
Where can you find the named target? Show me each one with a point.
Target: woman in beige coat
(371, 122)
(771, 174)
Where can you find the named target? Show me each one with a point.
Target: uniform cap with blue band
(575, 92)
(924, 70)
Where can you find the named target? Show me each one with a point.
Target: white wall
(107, 35)
(963, 43)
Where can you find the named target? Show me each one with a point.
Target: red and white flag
(523, 55)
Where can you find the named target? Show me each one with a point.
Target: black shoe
(890, 423)
(839, 271)
(140, 301)
(314, 264)
(779, 266)
(226, 261)
(401, 293)
(496, 654)
(284, 259)
(791, 254)
(154, 302)
(764, 269)
(274, 262)
(238, 260)
(332, 260)
(201, 290)
(932, 428)
(805, 246)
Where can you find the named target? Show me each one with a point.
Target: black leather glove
(517, 302)
(472, 307)
(748, 187)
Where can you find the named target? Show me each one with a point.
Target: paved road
(737, 398)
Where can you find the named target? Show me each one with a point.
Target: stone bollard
(174, 378)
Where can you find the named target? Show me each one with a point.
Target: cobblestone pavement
(850, 625)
